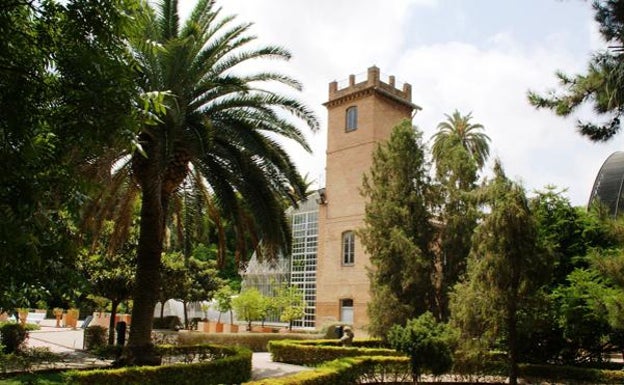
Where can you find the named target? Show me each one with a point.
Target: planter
(210, 327)
(230, 328)
(216, 327)
(71, 318)
(23, 315)
(203, 326)
(58, 314)
(261, 329)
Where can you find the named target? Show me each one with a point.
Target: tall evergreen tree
(506, 268)
(398, 234)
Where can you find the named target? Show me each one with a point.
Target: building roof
(609, 183)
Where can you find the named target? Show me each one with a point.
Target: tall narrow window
(352, 115)
(348, 248)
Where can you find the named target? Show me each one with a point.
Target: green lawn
(39, 379)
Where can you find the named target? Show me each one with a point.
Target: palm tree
(460, 150)
(218, 121)
(458, 130)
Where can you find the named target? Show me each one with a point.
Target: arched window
(348, 248)
(352, 116)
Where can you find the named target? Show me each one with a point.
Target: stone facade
(343, 288)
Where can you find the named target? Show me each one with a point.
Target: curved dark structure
(609, 184)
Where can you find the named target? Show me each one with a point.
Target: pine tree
(398, 234)
(506, 268)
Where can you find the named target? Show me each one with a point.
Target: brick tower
(360, 115)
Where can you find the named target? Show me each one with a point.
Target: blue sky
(479, 56)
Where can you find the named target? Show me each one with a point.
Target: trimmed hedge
(12, 337)
(312, 353)
(347, 371)
(256, 342)
(227, 366)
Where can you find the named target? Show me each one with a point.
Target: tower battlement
(372, 82)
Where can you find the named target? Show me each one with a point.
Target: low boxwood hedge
(256, 342)
(312, 353)
(348, 370)
(225, 365)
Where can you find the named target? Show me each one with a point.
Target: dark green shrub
(171, 322)
(95, 337)
(12, 337)
(427, 342)
(109, 352)
(314, 353)
(478, 363)
(228, 366)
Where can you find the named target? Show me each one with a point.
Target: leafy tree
(563, 229)
(506, 268)
(173, 278)
(398, 234)
(224, 301)
(427, 342)
(250, 305)
(187, 281)
(459, 151)
(582, 316)
(112, 278)
(290, 302)
(571, 321)
(602, 86)
(200, 284)
(217, 118)
(67, 89)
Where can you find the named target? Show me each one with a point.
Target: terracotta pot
(230, 328)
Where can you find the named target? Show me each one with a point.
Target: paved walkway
(70, 342)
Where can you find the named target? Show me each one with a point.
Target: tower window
(352, 115)
(348, 248)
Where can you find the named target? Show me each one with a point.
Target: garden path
(70, 343)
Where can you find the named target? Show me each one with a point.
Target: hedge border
(313, 353)
(233, 368)
(346, 371)
(333, 361)
(256, 342)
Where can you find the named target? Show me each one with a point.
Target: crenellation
(373, 81)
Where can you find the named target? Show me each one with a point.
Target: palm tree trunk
(141, 350)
